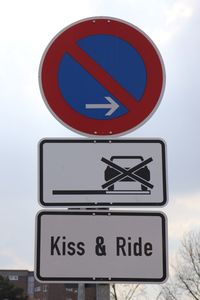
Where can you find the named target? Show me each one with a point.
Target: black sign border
(97, 279)
(104, 204)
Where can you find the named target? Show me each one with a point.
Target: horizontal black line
(103, 204)
(99, 279)
(78, 192)
(98, 140)
(106, 212)
(100, 192)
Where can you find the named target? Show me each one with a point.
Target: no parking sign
(102, 77)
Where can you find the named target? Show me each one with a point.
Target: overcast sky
(26, 28)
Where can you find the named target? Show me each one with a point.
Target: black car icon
(127, 162)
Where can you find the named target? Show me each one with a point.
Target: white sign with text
(101, 246)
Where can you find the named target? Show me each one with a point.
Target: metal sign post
(102, 292)
(81, 291)
(120, 77)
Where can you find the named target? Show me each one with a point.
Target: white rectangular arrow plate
(100, 246)
(92, 173)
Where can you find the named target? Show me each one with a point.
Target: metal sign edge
(99, 205)
(161, 280)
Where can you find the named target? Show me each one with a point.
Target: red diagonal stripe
(102, 76)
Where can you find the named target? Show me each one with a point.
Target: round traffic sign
(102, 77)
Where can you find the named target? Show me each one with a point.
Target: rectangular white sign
(90, 173)
(101, 246)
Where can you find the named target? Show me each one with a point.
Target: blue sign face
(87, 95)
(102, 77)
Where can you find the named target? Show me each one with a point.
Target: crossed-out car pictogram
(115, 172)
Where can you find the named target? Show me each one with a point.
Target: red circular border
(83, 124)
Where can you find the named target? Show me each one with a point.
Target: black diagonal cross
(127, 173)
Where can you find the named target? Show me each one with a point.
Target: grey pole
(81, 286)
(81, 291)
(102, 292)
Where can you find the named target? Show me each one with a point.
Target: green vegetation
(9, 292)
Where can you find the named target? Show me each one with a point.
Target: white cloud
(175, 18)
(183, 215)
(9, 260)
(180, 10)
